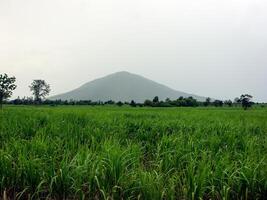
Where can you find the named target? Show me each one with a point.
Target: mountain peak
(123, 73)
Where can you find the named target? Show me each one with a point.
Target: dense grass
(133, 153)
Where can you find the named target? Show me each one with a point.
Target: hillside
(123, 86)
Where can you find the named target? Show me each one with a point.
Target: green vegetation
(40, 89)
(7, 85)
(180, 102)
(110, 152)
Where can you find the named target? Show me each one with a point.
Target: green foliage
(156, 99)
(119, 103)
(245, 100)
(133, 104)
(180, 102)
(148, 103)
(132, 153)
(207, 102)
(7, 85)
(39, 89)
(228, 103)
(218, 103)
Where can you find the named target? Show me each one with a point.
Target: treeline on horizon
(155, 102)
(40, 89)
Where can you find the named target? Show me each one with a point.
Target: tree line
(40, 89)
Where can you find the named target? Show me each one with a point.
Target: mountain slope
(123, 86)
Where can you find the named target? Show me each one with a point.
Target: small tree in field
(7, 85)
(245, 100)
(40, 89)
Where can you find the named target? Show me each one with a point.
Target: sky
(206, 47)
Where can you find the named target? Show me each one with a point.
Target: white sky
(215, 48)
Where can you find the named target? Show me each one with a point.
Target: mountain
(123, 86)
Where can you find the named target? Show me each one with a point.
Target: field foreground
(132, 153)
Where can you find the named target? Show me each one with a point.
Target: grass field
(133, 153)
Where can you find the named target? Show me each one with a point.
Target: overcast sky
(215, 48)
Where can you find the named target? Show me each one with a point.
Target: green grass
(133, 153)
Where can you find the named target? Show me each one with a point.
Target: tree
(180, 98)
(156, 99)
(110, 102)
(190, 101)
(119, 104)
(39, 89)
(148, 103)
(7, 85)
(207, 102)
(228, 102)
(245, 100)
(218, 103)
(133, 104)
(168, 100)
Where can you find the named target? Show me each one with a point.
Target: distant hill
(123, 86)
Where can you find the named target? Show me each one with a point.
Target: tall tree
(245, 100)
(156, 99)
(40, 89)
(7, 85)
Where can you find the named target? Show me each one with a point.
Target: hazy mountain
(123, 86)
